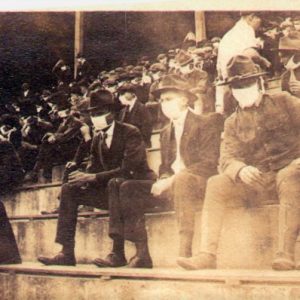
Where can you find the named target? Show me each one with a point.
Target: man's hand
(81, 177)
(251, 176)
(70, 164)
(51, 139)
(161, 186)
(294, 86)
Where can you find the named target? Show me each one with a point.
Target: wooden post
(78, 38)
(200, 28)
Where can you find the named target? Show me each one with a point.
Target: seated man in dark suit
(135, 112)
(117, 150)
(190, 150)
(11, 174)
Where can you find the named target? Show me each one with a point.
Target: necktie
(104, 145)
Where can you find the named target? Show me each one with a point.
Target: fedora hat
(127, 87)
(174, 82)
(101, 100)
(290, 42)
(240, 68)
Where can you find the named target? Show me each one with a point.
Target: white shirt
(132, 102)
(26, 93)
(178, 164)
(239, 38)
(109, 133)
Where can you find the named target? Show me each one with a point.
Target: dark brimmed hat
(158, 67)
(240, 68)
(101, 100)
(127, 87)
(174, 82)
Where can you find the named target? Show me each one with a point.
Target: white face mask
(100, 122)
(247, 97)
(171, 109)
(124, 100)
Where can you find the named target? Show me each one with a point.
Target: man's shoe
(60, 259)
(140, 262)
(112, 260)
(201, 261)
(283, 262)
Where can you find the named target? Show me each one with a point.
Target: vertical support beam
(200, 27)
(78, 38)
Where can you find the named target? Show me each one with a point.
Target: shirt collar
(110, 129)
(180, 121)
(130, 106)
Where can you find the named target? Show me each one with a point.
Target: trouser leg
(221, 193)
(134, 197)
(288, 189)
(189, 191)
(71, 197)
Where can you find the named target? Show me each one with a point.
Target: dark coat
(199, 146)
(139, 117)
(11, 170)
(126, 157)
(27, 104)
(266, 137)
(9, 252)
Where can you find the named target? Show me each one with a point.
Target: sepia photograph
(149, 153)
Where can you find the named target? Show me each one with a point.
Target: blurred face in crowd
(127, 97)
(164, 60)
(187, 69)
(156, 75)
(173, 103)
(112, 88)
(254, 21)
(247, 93)
(136, 80)
(172, 63)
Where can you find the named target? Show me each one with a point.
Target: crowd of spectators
(47, 127)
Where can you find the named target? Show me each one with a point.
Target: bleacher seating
(246, 249)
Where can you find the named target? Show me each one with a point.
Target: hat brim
(239, 78)
(190, 95)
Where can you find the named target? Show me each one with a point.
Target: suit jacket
(139, 117)
(27, 104)
(127, 156)
(199, 145)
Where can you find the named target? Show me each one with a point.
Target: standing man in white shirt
(240, 38)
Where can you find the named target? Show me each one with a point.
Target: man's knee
(289, 174)
(218, 182)
(114, 184)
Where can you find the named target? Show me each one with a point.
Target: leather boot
(142, 258)
(201, 261)
(60, 259)
(112, 260)
(283, 262)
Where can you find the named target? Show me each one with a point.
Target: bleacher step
(34, 281)
(248, 239)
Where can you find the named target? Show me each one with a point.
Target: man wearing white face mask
(289, 52)
(189, 153)
(259, 162)
(117, 151)
(135, 112)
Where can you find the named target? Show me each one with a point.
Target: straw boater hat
(290, 42)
